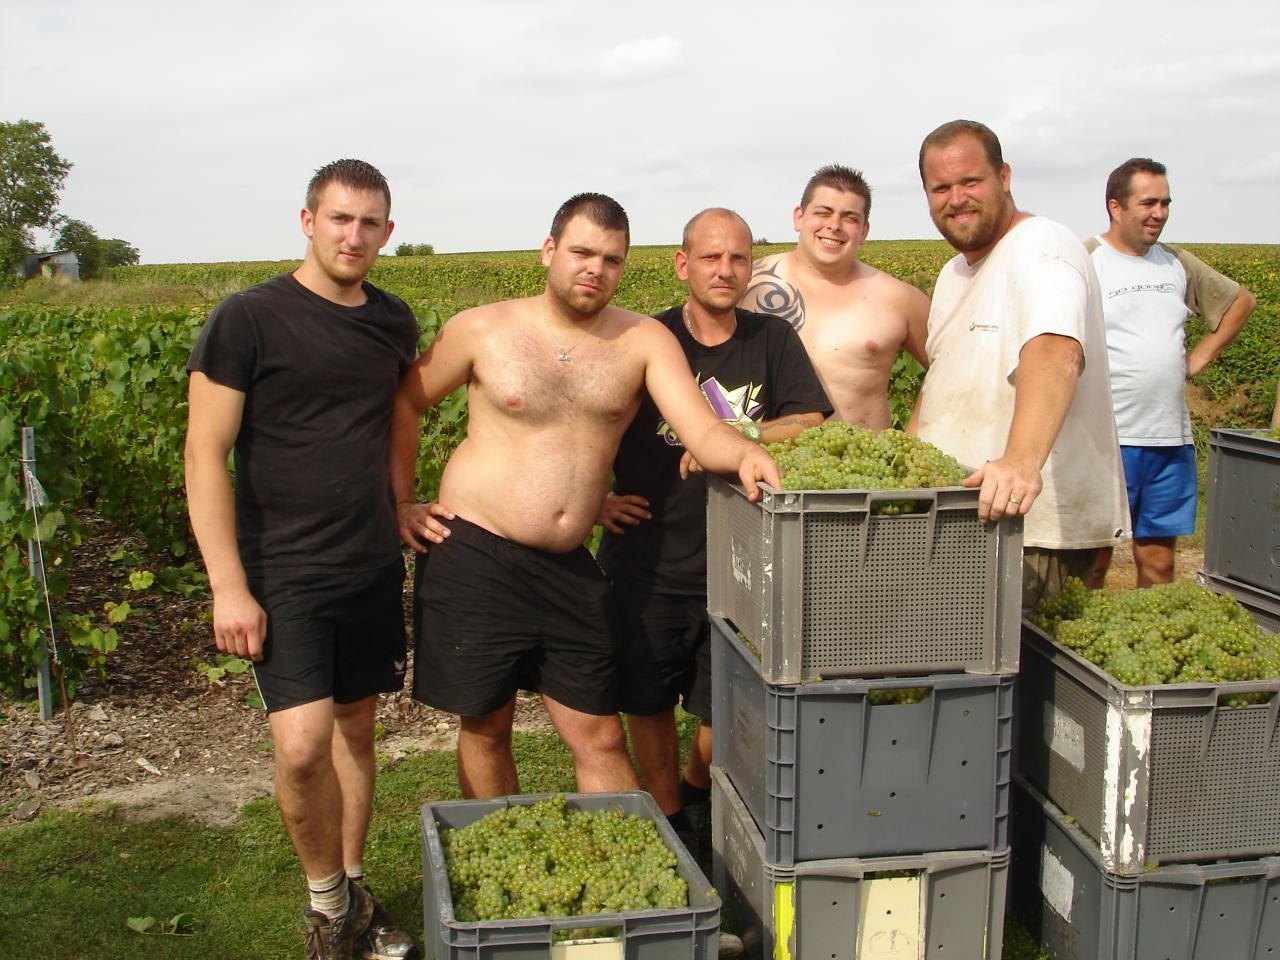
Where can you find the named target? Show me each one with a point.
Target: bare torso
(852, 330)
(542, 433)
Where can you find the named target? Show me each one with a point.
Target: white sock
(356, 872)
(329, 895)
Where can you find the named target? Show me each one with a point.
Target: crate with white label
(1078, 910)
(927, 905)
(1154, 774)
(826, 584)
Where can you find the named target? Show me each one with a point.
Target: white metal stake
(35, 555)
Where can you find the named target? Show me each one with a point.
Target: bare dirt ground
(158, 738)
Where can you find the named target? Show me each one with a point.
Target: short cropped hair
(1120, 183)
(959, 128)
(354, 174)
(839, 177)
(687, 236)
(601, 210)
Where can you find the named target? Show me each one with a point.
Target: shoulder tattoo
(771, 294)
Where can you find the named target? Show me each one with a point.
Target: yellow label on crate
(784, 918)
(598, 948)
(889, 921)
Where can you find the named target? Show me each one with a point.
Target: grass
(72, 879)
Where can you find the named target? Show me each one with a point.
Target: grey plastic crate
(691, 932)
(1264, 607)
(932, 905)
(1155, 774)
(1077, 910)
(1242, 517)
(824, 587)
(826, 773)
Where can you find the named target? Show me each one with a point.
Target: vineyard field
(98, 368)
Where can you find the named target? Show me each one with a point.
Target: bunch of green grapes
(1169, 633)
(841, 456)
(545, 859)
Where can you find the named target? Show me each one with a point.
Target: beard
(979, 233)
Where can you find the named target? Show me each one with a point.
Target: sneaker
(384, 940)
(731, 945)
(337, 939)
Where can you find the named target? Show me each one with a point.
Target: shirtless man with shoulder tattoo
(851, 317)
(507, 598)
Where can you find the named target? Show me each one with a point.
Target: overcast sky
(194, 126)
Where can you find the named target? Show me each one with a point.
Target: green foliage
(415, 250)
(32, 175)
(223, 664)
(118, 253)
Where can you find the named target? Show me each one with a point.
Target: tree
(78, 236)
(31, 174)
(118, 253)
(415, 250)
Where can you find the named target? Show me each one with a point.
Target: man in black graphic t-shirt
(296, 375)
(756, 375)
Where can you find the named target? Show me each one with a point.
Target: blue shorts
(1162, 490)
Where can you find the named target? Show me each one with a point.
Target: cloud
(641, 59)
(1263, 171)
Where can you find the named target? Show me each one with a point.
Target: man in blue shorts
(296, 375)
(509, 599)
(756, 375)
(1148, 290)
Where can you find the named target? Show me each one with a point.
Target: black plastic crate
(1077, 910)
(686, 933)
(827, 772)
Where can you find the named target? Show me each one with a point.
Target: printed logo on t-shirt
(984, 327)
(1142, 288)
(733, 406)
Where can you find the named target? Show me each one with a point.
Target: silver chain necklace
(561, 353)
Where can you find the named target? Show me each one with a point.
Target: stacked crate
(1147, 818)
(846, 824)
(1242, 522)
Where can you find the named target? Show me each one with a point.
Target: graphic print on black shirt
(760, 373)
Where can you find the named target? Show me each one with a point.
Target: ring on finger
(1015, 500)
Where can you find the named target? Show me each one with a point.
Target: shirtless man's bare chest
(852, 329)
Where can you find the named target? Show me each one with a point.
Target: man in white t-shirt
(1017, 383)
(1148, 289)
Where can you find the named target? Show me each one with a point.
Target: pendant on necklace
(563, 357)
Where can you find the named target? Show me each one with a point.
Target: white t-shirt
(1036, 280)
(1144, 304)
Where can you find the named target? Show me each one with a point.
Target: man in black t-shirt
(755, 374)
(296, 375)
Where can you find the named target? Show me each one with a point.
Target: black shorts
(491, 617)
(332, 635)
(664, 652)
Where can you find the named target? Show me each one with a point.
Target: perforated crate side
(824, 587)
(934, 905)
(827, 773)
(1076, 909)
(1242, 516)
(685, 933)
(1183, 777)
